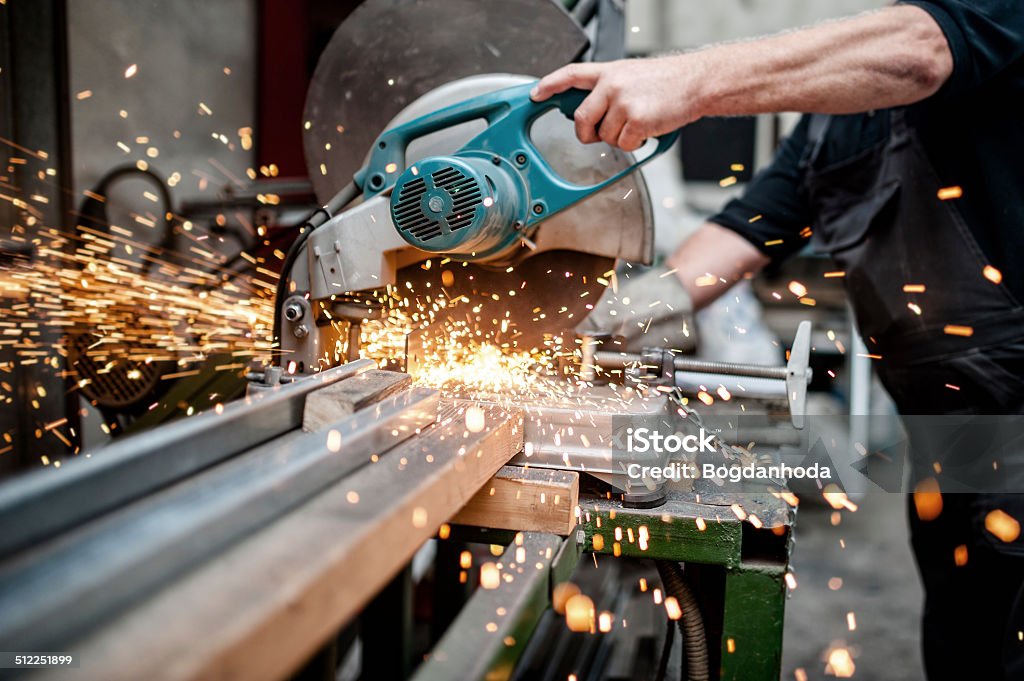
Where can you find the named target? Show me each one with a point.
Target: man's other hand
(630, 100)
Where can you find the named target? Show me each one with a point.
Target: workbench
(235, 545)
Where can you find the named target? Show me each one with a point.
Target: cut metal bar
(625, 360)
(482, 644)
(38, 505)
(59, 591)
(266, 604)
(738, 386)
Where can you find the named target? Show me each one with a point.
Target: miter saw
(487, 197)
(472, 174)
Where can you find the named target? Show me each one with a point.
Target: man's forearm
(891, 57)
(711, 260)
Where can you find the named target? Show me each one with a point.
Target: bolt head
(293, 312)
(301, 331)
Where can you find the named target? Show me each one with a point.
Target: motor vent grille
(463, 193)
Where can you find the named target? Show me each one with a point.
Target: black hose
(691, 624)
(309, 225)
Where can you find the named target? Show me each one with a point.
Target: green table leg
(755, 600)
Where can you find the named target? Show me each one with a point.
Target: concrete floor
(879, 585)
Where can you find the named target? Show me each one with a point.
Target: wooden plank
(525, 499)
(335, 402)
(491, 632)
(261, 608)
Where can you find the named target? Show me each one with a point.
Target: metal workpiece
(581, 434)
(42, 504)
(660, 366)
(65, 588)
(740, 387)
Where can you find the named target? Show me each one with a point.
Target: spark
(561, 594)
(797, 289)
(490, 576)
(475, 419)
(927, 499)
(840, 662)
(579, 613)
(957, 330)
(1004, 526)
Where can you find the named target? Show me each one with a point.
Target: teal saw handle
(509, 113)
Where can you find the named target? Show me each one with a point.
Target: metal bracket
(798, 374)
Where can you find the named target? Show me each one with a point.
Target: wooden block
(525, 499)
(338, 400)
(263, 606)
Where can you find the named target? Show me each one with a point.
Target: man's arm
(711, 260)
(892, 57)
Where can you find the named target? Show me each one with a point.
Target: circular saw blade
(388, 53)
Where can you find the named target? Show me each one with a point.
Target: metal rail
(41, 504)
(491, 632)
(68, 587)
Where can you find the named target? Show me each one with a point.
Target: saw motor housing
(465, 207)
